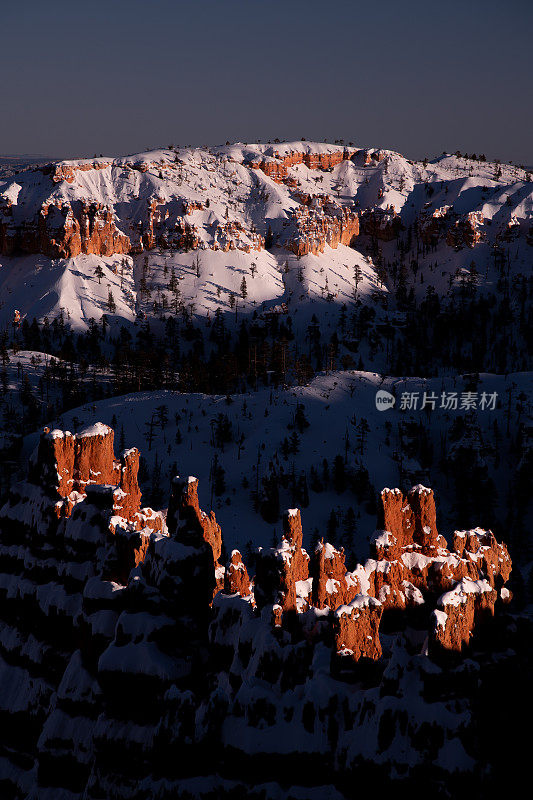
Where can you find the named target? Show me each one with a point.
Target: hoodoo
(103, 601)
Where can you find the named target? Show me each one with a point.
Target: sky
(122, 76)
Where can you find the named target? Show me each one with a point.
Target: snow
(40, 287)
(57, 434)
(416, 561)
(98, 429)
(460, 593)
(304, 588)
(440, 618)
(330, 552)
(383, 538)
(98, 589)
(360, 601)
(412, 594)
(141, 657)
(419, 489)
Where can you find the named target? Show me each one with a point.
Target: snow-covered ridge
(247, 209)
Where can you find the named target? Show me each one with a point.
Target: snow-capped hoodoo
(104, 602)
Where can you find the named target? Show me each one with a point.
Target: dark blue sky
(119, 76)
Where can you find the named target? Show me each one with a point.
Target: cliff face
(465, 231)
(381, 223)
(277, 166)
(319, 222)
(129, 657)
(63, 230)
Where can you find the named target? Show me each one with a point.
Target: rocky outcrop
(412, 558)
(465, 231)
(411, 567)
(232, 236)
(433, 224)
(356, 628)
(164, 225)
(66, 171)
(65, 464)
(184, 514)
(372, 156)
(444, 223)
(332, 585)
(187, 521)
(280, 569)
(63, 230)
(460, 610)
(381, 223)
(276, 166)
(319, 222)
(487, 567)
(236, 578)
(481, 546)
(66, 228)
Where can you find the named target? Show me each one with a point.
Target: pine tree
(358, 276)
(173, 282)
(302, 490)
(99, 272)
(111, 305)
(315, 482)
(331, 530)
(325, 472)
(300, 420)
(219, 479)
(294, 443)
(350, 526)
(339, 474)
(362, 431)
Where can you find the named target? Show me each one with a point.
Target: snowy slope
(334, 406)
(39, 287)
